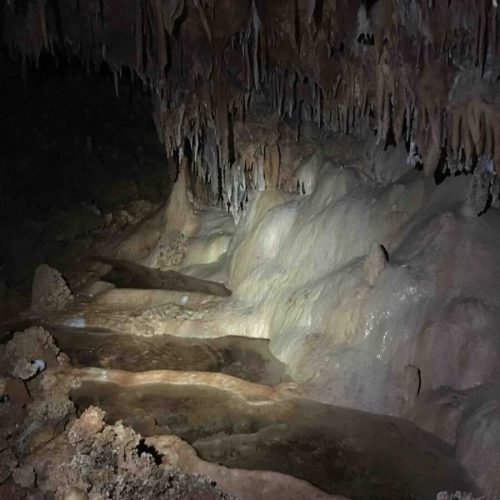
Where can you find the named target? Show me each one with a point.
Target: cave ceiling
(422, 72)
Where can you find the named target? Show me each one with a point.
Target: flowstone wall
(383, 298)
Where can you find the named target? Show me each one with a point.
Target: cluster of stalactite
(425, 72)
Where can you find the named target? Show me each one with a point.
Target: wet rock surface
(248, 359)
(126, 274)
(244, 427)
(340, 451)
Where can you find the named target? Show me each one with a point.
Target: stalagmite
(256, 35)
(179, 212)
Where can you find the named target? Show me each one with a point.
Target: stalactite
(256, 35)
(43, 23)
(433, 150)
(467, 144)
(139, 49)
(115, 79)
(161, 42)
(474, 124)
(456, 132)
(398, 117)
(403, 75)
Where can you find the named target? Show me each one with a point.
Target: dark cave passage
(73, 152)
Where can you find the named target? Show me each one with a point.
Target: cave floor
(233, 402)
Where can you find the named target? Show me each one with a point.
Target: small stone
(24, 476)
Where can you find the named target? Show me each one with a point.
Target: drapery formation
(420, 71)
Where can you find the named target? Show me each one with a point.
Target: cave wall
(225, 74)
